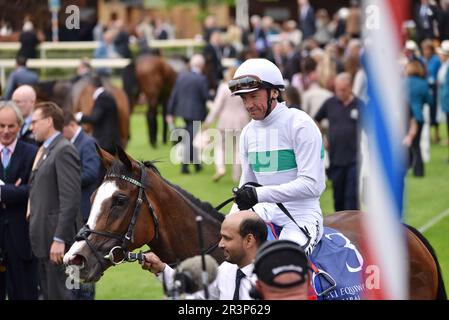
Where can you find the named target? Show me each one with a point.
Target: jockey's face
(256, 102)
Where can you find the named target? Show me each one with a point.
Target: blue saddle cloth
(339, 264)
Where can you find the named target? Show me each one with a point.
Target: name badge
(354, 114)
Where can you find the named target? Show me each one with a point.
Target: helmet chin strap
(269, 101)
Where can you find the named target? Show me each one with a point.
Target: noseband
(120, 253)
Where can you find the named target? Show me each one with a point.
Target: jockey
(282, 152)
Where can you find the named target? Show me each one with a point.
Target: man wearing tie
(55, 196)
(18, 266)
(25, 98)
(242, 234)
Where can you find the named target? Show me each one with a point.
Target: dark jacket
(425, 24)
(90, 170)
(189, 96)
(214, 69)
(104, 120)
(14, 200)
(26, 134)
(344, 129)
(307, 23)
(28, 41)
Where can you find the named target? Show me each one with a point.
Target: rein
(220, 206)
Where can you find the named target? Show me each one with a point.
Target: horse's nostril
(77, 260)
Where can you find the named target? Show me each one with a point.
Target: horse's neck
(178, 232)
(77, 90)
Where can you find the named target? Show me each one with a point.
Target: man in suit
(90, 176)
(188, 101)
(21, 75)
(55, 196)
(18, 266)
(29, 40)
(25, 98)
(306, 19)
(104, 117)
(426, 17)
(212, 55)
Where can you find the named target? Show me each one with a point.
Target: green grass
(426, 197)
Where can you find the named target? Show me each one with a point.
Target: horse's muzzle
(77, 260)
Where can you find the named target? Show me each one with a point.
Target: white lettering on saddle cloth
(350, 246)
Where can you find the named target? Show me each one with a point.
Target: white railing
(73, 63)
(188, 44)
(60, 64)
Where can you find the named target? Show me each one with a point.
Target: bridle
(120, 253)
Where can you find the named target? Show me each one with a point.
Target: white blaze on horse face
(105, 191)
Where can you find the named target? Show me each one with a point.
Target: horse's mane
(118, 168)
(202, 205)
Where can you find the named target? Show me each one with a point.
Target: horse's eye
(119, 201)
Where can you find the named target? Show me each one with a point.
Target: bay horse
(135, 206)
(77, 95)
(155, 77)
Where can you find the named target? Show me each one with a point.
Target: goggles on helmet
(246, 82)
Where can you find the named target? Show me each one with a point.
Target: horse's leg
(164, 122)
(130, 84)
(152, 123)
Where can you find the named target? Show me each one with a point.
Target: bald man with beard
(242, 233)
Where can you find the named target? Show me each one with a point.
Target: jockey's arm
(247, 173)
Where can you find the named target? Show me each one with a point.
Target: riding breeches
(310, 221)
(290, 231)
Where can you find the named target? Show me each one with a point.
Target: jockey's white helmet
(254, 74)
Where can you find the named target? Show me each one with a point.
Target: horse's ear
(106, 158)
(124, 157)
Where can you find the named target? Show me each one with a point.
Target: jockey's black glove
(245, 197)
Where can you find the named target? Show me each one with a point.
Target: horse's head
(121, 219)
